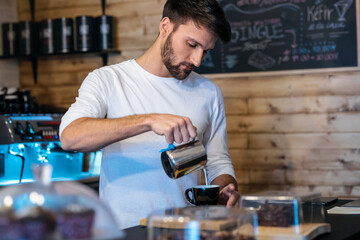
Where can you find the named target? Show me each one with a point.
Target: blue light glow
(31, 118)
(192, 231)
(296, 216)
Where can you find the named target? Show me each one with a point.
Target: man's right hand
(175, 128)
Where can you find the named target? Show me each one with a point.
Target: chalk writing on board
(271, 35)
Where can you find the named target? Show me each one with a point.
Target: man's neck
(152, 62)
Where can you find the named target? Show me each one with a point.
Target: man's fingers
(191, 129)
(229, 189)
(230, 196)
(178, 135)
(183, 130)
(174, 128)
(233, 200)
(169, 136)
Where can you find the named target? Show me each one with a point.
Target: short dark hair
(206, 13)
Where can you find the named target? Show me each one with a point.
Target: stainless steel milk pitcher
(184, 159)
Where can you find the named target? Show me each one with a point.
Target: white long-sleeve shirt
(132, 180)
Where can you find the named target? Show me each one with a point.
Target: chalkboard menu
(273, 35)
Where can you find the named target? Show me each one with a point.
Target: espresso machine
(27, 139)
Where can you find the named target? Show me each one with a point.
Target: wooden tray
(212, 225)
(306, 231)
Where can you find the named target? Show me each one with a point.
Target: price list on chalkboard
(273, 35)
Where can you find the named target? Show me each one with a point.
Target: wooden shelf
(68, 54)
(34, 57)
(104, 54)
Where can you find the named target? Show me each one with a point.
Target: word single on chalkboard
(273, 35)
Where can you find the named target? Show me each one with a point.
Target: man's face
(185, 48)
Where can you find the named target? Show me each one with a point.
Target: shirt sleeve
(219, 161)
(91, 101)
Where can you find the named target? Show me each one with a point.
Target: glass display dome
(287, 213)
(54, 210)
(202, 223)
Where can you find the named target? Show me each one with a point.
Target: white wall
(9, 68)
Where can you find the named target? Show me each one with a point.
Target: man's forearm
(91, 134)
(224, 180)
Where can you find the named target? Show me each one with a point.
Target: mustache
(189, 65)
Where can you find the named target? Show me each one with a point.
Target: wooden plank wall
(9, 69)
(295, 131)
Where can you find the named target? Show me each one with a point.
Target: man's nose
(197, 57)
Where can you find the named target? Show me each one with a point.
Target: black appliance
(10, 39)
(26, 34)
(64, 35)
(46, 35)
(16, 101)
(105, 26)
(86, 34)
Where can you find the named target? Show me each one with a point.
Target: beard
(169, 60)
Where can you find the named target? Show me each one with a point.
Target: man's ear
(166, 26)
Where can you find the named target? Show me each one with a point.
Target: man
(133, 109)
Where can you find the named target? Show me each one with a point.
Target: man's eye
(192, 45)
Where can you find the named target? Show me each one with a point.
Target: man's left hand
(229, 196)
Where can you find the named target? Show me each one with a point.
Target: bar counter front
(343, 226)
